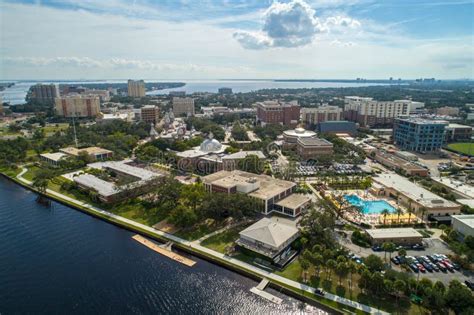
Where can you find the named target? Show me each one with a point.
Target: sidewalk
(262, 273)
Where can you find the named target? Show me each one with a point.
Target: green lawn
(49, 129)
(463, 147)
(31, 173)
(223, 240)
(198, 231)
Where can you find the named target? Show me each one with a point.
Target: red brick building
(275, 112)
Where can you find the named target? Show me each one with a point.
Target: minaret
(153, 132)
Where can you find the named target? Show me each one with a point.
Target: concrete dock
(259, 291)
(164, 251)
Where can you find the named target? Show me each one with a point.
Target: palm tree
(341, 271)
(304, 267)
(385, 212)
(410, 212)
(331, 264)
(402, 252)
(352, 268)
(390, 247)
(399, 213)
(399, 286)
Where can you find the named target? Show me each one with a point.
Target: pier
(164, 250)
(259, 290)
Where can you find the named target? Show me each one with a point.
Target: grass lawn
(53, 128)
(223, 240)
(198, 231)
(31, 173)
(9, 171)
(463, 147)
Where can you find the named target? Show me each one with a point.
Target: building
(138, 181)
(183, 106)
(136, 88)
(369, 113)
(464, 224)
(406, 155)
(290, 137)
(104, 95)
(398, 164)
(314, 116)
(458, 188)
(271, 238)
(225, 90)
(52, 159)
(110, 117)
(44, 93)
(271, 194)
(398, 236)
(95, 153)
(77, 106)
(337, 127)
(457, 132)
(447, 111)
(411, 195)
(311, 148)
(419, 135)
(177, 93)
(275, 112)
(150, 114)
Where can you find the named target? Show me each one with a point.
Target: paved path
(225, 228)
(262, 273)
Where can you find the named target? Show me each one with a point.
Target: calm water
(17, 93)
(369, 206)
(59, 261)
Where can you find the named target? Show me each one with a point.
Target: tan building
(313, 116)
(183, 106)
(398, 236)
(310, 148)
(44, 93)
(271, 194)
(136, 88)
(150, 114)
(411, 195)
(447, 111)
(398, 164)
(94, 152)
(77, 106)
(290, 137)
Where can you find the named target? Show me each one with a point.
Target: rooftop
(122, 167)
(89, 150)
(243, 155)
(293, 201)
(413, 191)
(393, 233)
(103, 188)
(270, 232)
(315, 142)
(54, 156)
(467, 219)
(424, 121)
(457, 186)
(299, 132)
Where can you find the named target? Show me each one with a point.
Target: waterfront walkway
(262, 273)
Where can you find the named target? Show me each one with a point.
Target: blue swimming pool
(369, 206)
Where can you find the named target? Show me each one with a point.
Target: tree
(410, 212)
(304, 267)
(402, 252)
(182, 216)
(330, 265)
(390, 248)
(399, 213)
(385, 212)
(317, 260)
(458, 297)
(399, 286)
(251, 163)
(373, 263)
(342, 270)
(193, 195)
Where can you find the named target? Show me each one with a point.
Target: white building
(464, 224)
(52, 159)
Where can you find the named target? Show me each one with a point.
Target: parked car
(319, 292)
(435, 268)
(395, 260)
(456, 266)
(469, 284)
(414, 268)
(421, 268)
(427, 266)
(441, 267)
(376, 248)
(418, 247)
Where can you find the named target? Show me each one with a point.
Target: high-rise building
(77, 106)
(369, 113)
(2, 111)
(314, 116)
(183, 106)
(419, 135)
(150, 114)
(136, 88)
(44, 93)
(275, 112)
(225, 90)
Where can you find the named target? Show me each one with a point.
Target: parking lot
(433, 246)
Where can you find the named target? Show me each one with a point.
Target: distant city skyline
(245, 39)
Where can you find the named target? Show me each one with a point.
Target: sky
(236, 39)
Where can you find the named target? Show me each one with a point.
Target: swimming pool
(369, 206)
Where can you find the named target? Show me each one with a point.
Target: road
(262, 273)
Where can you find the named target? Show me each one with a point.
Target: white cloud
(292, 24)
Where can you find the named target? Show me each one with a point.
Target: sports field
(463, 147)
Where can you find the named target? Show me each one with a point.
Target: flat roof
(399, 161)
(89, 150)
(121, 166)
(452, 125)
(103, 188)
(243, 155)
(393, 233)
(293, 201)
(467, 202)
(269, 186)
(456, 185)
(315, 142)
(54, 156)
(413, 191)
(270, 232)
(467, 219)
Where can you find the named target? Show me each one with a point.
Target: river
(56, 260)
(17, 93)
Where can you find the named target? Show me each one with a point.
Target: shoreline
(299, 294)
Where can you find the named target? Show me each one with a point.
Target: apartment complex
(271, 194)
(419, 135)
(275, 112)
(369, 113)
(310, 148)
(136, 88)
(314, 116)
(150, 114)
(183, 106)
(44, 93)
(77, 106)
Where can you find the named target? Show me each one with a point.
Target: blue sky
(212, 39)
